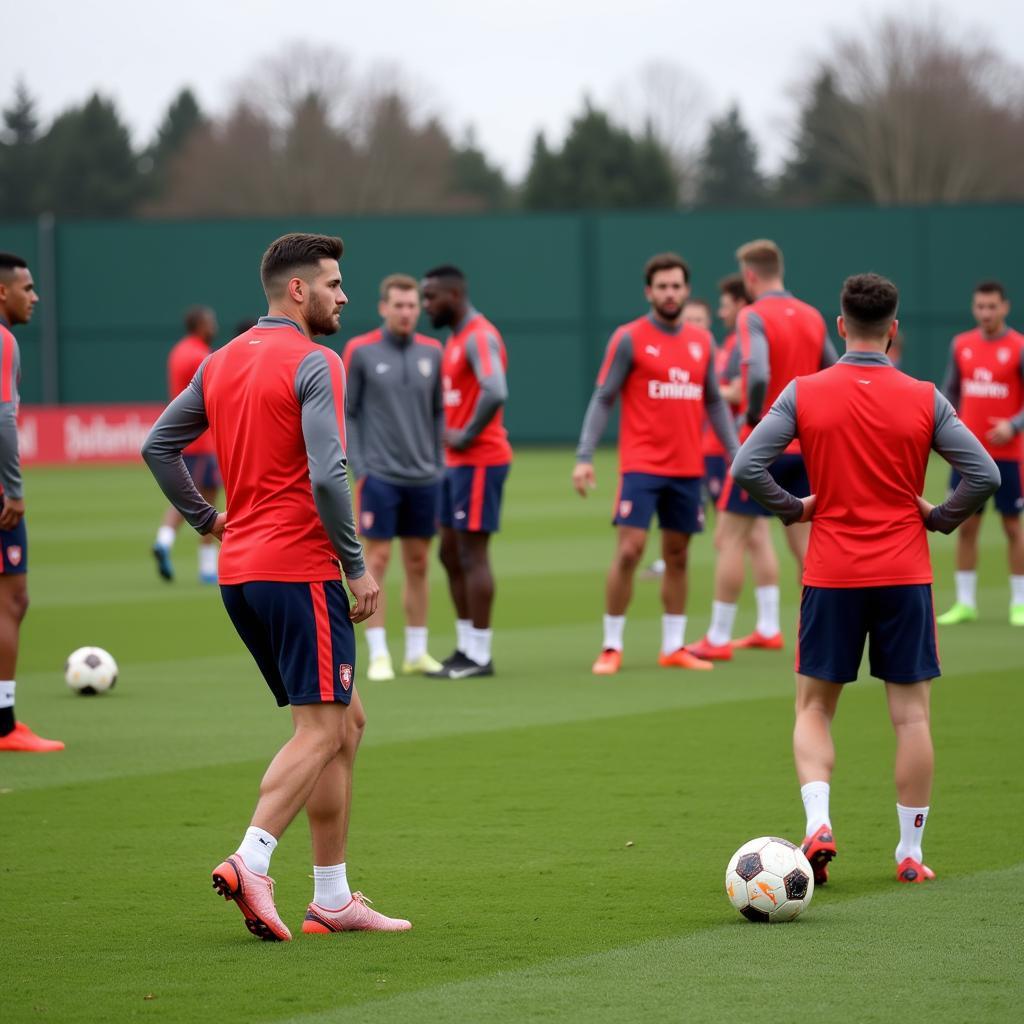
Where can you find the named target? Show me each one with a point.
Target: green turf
(558, 841)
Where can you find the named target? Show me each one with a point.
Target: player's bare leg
(630, 542)
(165, 536)
(1015, 558)
(378, 558)
(415, 603)
(764, 565)
(965, 609)
(209, 546)
(674, 550)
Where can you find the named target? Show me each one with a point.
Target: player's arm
(438, 417)
(753, 340)
(979, 473)
(484, 357)
(10, 461)
(178, 426)
(951, 381)
(765, 444)
(718, 415)
(616, 367)
(732, 390)
(354, 385)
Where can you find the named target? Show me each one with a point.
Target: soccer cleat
(455, 657)
(706, 651)
(609, 661)
(684, 658)
(468, 669)
(913, 871)
(163, 562)
(380, 669)
(424, 665)
(1017, 614)
(819, 849)
(21, 739)
(759, 641)
(355, 916)
(957, 614)
(207, 577)
(254, 896)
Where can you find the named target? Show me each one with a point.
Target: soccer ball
(90, 670)
(769, 880)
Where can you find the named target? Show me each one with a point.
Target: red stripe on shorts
(324, 659)
(723, 498)
(476, 497)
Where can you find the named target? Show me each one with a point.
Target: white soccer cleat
(381, 669)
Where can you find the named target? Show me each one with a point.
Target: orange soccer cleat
(913, 871)
(710, 652)
(819, 849)
(609, 661)
(23, 740)
(355, 916)
(759, 641)
(254, 896)
(684, 658)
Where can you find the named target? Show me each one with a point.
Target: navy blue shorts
(898, 622)
(389, 510)
(204, 471)
(471, 497)
(788, 471)
(1009, 499)
(14, 550)
(300, 635)
(715, 471)
(676, 499)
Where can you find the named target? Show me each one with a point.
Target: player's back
(796, 336)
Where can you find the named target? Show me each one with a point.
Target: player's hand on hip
(583, 478)
(924, 507)
(219, 524)
(366, 591)
(1001, 433)
(11, 515)
(809, 504)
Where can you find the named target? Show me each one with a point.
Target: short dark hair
(194, 316)
(665, 261)
(446, 271)
(296, 251)
(733, 286)
(9, 262)
(869, 303)
(991, 287)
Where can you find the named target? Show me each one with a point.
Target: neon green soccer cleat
(380, 669)
(1017, 614)
(957, 614)
(423, 665)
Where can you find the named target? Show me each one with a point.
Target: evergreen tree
(18, 155)
(474, 179)
(728, 174)
(183, 118)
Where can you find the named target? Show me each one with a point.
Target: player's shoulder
(482, 329)
(7, 335)
(630, 330)
(427, 342)
(359, 341)
(965, 338)
(1015, 337)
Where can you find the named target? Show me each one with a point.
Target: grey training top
(601, 402)
(10, 462)
(185, 419)
(950, 438)
(395, 408)
(952, 382)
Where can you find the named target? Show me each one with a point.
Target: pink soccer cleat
(819, 848)
(913, 871)
(355, 916)
(254, 896)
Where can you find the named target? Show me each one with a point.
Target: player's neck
(992, 335)
(871, 345)
(776, 284)
(291, 314)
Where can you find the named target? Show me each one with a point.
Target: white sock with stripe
(912, 823)
(257, 847)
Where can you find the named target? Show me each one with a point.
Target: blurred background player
(984, 383)
(866, 431)
(478, 456)
(663, 368)
(779, 338)
(18, 299)
(182, 362)
(274, 401)
(395, 449)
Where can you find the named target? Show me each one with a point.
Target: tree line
(904, 113)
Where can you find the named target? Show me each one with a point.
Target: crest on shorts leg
(366, 520)
(14, 554)
(345, 675)
(625, 507)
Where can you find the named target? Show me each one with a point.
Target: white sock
(722, 617)
(673, 633)
(377, 641)
(1017, 590)
(6, 693)
(966, 588)
(614, 627)
(256, 849)
(415, 642)
(767, 610)
(463, 629)
(330, 886)
(912, 823)
(815, 798)
(208, 559)
(165, 537)
(480, 645)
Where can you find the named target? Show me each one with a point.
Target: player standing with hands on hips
(866, 431)
(274, 402)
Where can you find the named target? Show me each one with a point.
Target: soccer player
(18, 299)
(182, 363)
(697, 312)
(866, 431)
(663, 369)
(395, 449)
(984, 383)
(779, 338)
(274, 402)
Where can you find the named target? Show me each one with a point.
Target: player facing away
(779, 338)
(274, 402)
(478, 456)
(662, 368)
(184, 359)
(18, 299)
(985, 383)
(866, 431)
(395, 448)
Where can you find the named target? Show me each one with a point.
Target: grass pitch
(558, 841)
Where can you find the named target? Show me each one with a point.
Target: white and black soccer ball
(769, 880)
(90, 670)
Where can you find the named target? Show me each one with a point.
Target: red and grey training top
(10, 378)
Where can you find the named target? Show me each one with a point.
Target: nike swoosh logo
(460, 673)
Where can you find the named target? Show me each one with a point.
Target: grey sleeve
(439, 418)
(979, 474)
(493, 387)
(718, 413)
(178, 426)
(325, 454)
(765, 444)
(10, 461)
(829, 356)
(951, 382)
(353, 409)
(1018, 420)
(733, 369)
(758, 367)
(601, 402)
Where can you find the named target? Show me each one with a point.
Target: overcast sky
(505, 68)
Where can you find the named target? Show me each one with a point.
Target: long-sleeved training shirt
(866, 431)
(10, 378)
(182, 362)
(274, 402)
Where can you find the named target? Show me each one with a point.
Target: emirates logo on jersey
(984, 385)
(679, 386)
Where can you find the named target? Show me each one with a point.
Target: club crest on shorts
(625, 507)
(345, 676)
(14, 554)
(366, 520)
(423, 365)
